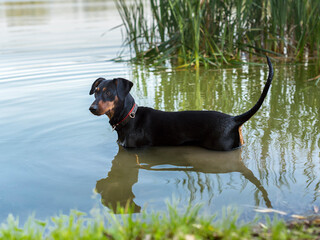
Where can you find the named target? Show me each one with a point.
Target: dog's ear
(123, 87)
(95, 84)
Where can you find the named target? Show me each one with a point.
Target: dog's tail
(240, 119)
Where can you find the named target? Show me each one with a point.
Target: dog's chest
(133, 139)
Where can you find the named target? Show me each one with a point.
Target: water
(56, 156)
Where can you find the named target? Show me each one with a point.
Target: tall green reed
(215, 32)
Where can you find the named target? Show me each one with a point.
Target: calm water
(56, 156)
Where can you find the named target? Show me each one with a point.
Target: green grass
(170, 225)
(215, 32)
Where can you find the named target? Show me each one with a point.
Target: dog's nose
(93, 108)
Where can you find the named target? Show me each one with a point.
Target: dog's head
(109, 94)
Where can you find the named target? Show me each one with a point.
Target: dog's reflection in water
(116, 188)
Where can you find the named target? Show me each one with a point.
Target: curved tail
(240, 119)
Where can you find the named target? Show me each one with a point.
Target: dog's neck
(122, 110)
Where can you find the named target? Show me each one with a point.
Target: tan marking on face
(108, 107)
(240, 135)
(98, 89)
(103, 89)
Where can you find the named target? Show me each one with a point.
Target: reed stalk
(215, 32)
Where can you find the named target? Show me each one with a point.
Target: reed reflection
(282, 139)
(116, 188)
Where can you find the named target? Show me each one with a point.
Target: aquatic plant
(171, 225)
(214, 32)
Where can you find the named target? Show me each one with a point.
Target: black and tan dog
(144, 126)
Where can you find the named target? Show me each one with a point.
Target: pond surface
(56, 156)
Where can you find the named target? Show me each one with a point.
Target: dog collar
(126, 119)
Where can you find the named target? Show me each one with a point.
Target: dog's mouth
(102, 108)
(96, 113)
(99, 113)
(94, 110)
